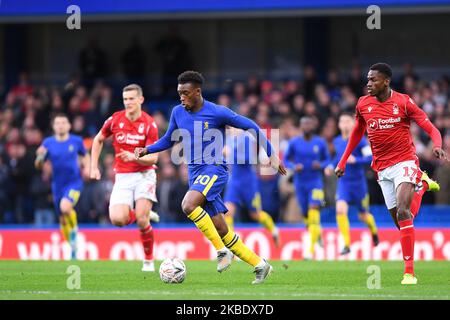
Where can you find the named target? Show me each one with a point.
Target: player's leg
(121, 202)
(192, 206)
(253, 203)
(234, 243)
(302, 199)
(343, 224)
(144, 186)
(143, 209)
(405, 194)
(63, 224)
(316, 198)
(121, 214)
(427, 184)
(69, 215)
(365, 216)
(343, 197)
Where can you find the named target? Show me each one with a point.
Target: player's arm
(164, 143)
(97, 146)
(237, 121)
(147, 160)
(41, 154)
(421, 118)
(353, 141)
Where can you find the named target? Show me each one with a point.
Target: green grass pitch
(291, 280)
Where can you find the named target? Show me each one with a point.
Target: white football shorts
(132, 186)
(391, 177)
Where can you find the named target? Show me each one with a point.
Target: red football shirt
(128, 135)
(388, 127)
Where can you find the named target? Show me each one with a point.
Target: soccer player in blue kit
(63, 150)
(307, 155)
(352, 188)
(242, 188)
(201, 126)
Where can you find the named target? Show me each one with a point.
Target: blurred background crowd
(26, 110)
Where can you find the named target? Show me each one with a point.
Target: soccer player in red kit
(134, 188)
(387, 114)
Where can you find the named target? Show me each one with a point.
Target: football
(172, 270)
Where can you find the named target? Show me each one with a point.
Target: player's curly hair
(193, 77)
(383, 68)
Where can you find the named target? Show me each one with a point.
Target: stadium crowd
(26, 111)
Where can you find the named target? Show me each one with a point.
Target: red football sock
(132, 218)
(407, 238)
(147, 242)
(417, 199)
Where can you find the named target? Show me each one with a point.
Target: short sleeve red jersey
(128, 135)
(388, 127)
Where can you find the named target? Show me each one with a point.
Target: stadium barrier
(189, 243)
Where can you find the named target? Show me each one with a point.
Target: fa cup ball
(172, 270)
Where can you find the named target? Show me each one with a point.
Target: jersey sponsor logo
(120, 137)
(141, 128)
(129, 138)
(381, 124)
(373, 124)
(395, 109)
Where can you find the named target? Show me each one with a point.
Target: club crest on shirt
(71, 148)
(370, 109)
(395, 109)
(316, 149)
(121, 125)
(141, 128)
(206, 125)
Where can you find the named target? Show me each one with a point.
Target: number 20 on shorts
(202, 179)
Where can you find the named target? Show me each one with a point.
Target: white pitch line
(226, 293)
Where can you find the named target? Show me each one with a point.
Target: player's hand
(316, 165)
(95, 174)
(298, 167)
(440, 154)
(126, 156)
(41, 151)
(339, 172)
(276, 164)
(351, 159)
(328, 171)
(40, 156)
(86, 173)
(139, 152)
